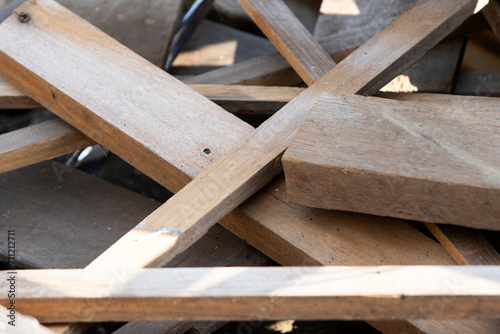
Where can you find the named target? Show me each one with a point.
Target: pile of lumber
(390, 154)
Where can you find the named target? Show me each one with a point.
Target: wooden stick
(303, 293)
(39, 142)
(422, 161)
(290, 37)
(13, 98)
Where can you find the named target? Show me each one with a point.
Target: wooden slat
(409, 160)
(492, 14)
(144, 26)
(290, 37)
(39, 142)
(382, 292)
(21, 324)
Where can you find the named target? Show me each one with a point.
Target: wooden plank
(290, 37)
(478, 83)
(410, 168)
(492, 14)
(21, 324)
(236, 99)
(13, 98)
(319, 293)
(146, 27)
(39, 142)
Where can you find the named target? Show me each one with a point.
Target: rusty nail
(24, 17)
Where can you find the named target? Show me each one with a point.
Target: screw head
(24, 17)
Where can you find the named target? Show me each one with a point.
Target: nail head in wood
(24, 17)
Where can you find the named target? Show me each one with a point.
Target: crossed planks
(290, 37)
(303, 293)
(417, 161)
(302, 255)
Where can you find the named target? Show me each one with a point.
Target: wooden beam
(302, 293)
(39, 142)
(492, 14)
(422, 161)
(290, 37)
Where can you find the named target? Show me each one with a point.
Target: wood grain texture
(13, 98)
(466, 246)
(290, 37)
(39, 142)
(158, 227)
(492, 14)
(146, 27)
(318, 293)
(409, 160)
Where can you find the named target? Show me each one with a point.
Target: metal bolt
(24, 17)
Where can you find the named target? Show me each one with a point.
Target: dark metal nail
(207, 151)
(24, 17)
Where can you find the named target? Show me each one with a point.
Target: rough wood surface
(290, 37)
(478, 83)
(409, 160)
(492, 14)
(39, 142)
(13, 98)
(466, 246)
(144, 26)
(382, 292)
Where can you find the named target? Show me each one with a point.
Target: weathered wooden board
(382, 292)
(466, 246)
(144, 26)
(478, 83)
(13, 98)
(416, 161)
(290, 37)
(39, 142)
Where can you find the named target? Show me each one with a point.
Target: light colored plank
(319, 293)
(290, 37)
(492, 14)
(146, 27)
(39, 142)
(13, 98)
(21, 324)
(408, 160)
